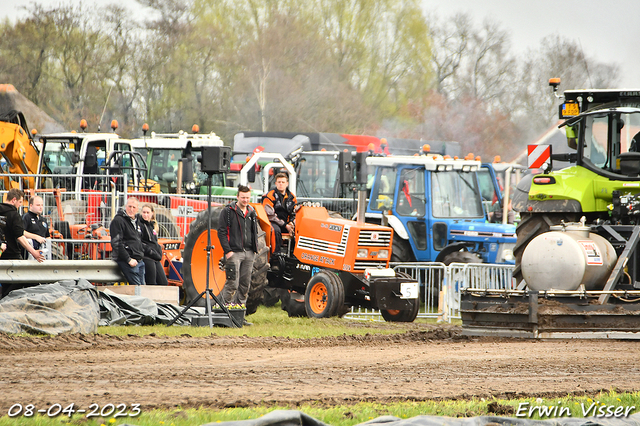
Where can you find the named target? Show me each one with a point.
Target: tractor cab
(603, 126)
(435, 208)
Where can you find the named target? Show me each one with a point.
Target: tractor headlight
(505, 253)
(383, 254)
(363, 252)
(508, 256)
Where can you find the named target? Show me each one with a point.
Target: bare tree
(533, 106)
(450, 45)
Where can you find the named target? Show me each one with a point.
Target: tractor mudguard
(451, 249)
(521, 202)
(520, 198)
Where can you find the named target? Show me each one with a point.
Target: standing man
(280, 203)
(12, 227)
(12, 233)
(238, 232)
(126, 242)
(35, 225)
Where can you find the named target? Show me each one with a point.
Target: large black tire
(270, 296)
(407, 315)
(339, 307)
(324, 295)
(192, 264)
(290, 303)
(401, 250)
(259, 275)
(167, 226)
(531, 225)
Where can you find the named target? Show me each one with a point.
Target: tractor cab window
(487, 188)
(59, 158)
(411, 196)
(317, 176)
(595, 147)
(609, 134)
(94, 159)
(163, 164)
(383, 190)
(456, 194)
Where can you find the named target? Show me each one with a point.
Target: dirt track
(425, 363)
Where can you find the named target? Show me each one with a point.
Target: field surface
(426, 362)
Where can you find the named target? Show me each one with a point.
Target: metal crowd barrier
(75, 249)
(441, 285)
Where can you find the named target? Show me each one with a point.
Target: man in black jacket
(36, 227)
(237, 232)
(126, 242)
(12, 228)
(12, 234)
(280, 205)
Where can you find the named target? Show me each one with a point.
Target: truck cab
(435, 207)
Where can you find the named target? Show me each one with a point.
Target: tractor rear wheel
(194, 267)
(270, 296)
(405, 315)
(324, 295)
(167, 227)
(531, 225)
(259, 274)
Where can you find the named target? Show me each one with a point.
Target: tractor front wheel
(324, 296)
(405, 315)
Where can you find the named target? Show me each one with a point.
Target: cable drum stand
(214, 159)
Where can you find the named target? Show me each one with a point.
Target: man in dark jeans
(126, 242)
(12, 232)
(237, 232)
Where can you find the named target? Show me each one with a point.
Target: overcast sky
(608, 31)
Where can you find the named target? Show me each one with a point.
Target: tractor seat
(629, 163)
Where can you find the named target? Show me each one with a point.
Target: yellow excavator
(18, 149)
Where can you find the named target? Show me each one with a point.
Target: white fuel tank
(567, 256)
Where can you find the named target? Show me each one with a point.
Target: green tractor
(603, 127)
(577, 268)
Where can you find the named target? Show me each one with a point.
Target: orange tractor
(329, 263)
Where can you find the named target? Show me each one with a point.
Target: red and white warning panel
(538, 156)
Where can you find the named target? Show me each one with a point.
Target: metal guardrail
(30, 271)
(441, 285)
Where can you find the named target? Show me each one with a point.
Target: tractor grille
(361, 265)
(326, 246)
(376, 238)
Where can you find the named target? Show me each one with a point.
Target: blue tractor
(435, 207)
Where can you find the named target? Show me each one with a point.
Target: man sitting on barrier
(126, 243)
